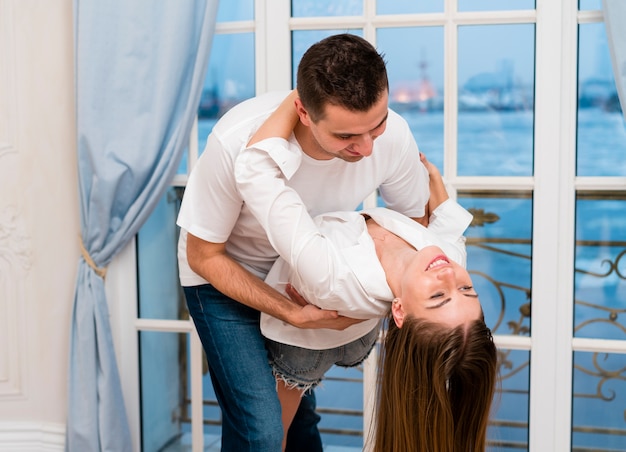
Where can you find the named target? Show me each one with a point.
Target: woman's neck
(393, 253)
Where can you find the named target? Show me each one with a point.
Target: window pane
(416, 83)
(499, 250)
(160, 294)
(233, 10)
(340, 402)
(600, 283)
(590, 4)
(598, 402)
(302, 40)
(488, 5)
(601, 137)
(409, 6)
(322, 8)
(496, 89)
(499, 257)
(229, 80)
(508, 427)
(166, 395)
(160, 388)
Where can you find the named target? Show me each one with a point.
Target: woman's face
(438, 289)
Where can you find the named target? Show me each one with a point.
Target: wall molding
(32, 437)
(15, 262)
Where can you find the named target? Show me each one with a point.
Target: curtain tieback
(101, 272)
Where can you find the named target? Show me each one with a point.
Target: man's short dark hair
(343, 70)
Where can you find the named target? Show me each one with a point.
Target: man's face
(343, 133)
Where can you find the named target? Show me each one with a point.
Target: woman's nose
(445, 273)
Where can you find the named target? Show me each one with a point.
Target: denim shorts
(303, 368)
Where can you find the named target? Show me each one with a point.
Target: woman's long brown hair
(435, 387)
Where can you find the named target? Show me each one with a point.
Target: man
(224, 253)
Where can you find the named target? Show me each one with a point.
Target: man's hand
(314, 317)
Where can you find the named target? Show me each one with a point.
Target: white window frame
(554, 184)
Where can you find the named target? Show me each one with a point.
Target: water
(500, 143)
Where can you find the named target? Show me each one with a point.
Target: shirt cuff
(450, 218)
(285, 154)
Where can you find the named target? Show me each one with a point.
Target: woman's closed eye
(468, 291)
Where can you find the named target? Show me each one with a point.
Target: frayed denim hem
(293, 383)
(360, 361)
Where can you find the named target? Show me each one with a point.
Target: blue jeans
(243, 380)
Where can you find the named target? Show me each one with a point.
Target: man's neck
(308, 143)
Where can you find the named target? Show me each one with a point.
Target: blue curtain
(140, 67)
(614, 20)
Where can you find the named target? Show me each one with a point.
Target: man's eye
(343, 137)
(466, 288)
(437, 295)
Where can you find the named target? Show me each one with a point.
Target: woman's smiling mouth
(438, 262)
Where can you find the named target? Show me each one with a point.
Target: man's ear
(397, 312)
(305, 118)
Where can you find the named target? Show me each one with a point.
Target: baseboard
(32, 437)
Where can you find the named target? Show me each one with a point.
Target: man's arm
(211, 261)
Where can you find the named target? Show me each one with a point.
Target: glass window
(409, 6)
(161, 374)
(229, 80)
(499, 257)
(323, 8)
(590, 4)
(496, 100)
(599, 399)
(235, 10)
(166, 395)
(487, 5)
(496, 69)
(499, 261)
(340, 403)
(160, 294)
(601, 137)
(416, 83)
(600, 282)
(508, 426)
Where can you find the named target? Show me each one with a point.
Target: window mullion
(553, 228)
(273, 45)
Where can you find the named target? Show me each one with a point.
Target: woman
(438, 366)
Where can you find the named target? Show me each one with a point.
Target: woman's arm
(438, 192)
(262, 183)
(280, 123)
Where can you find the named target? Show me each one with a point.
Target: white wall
(39, 223)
